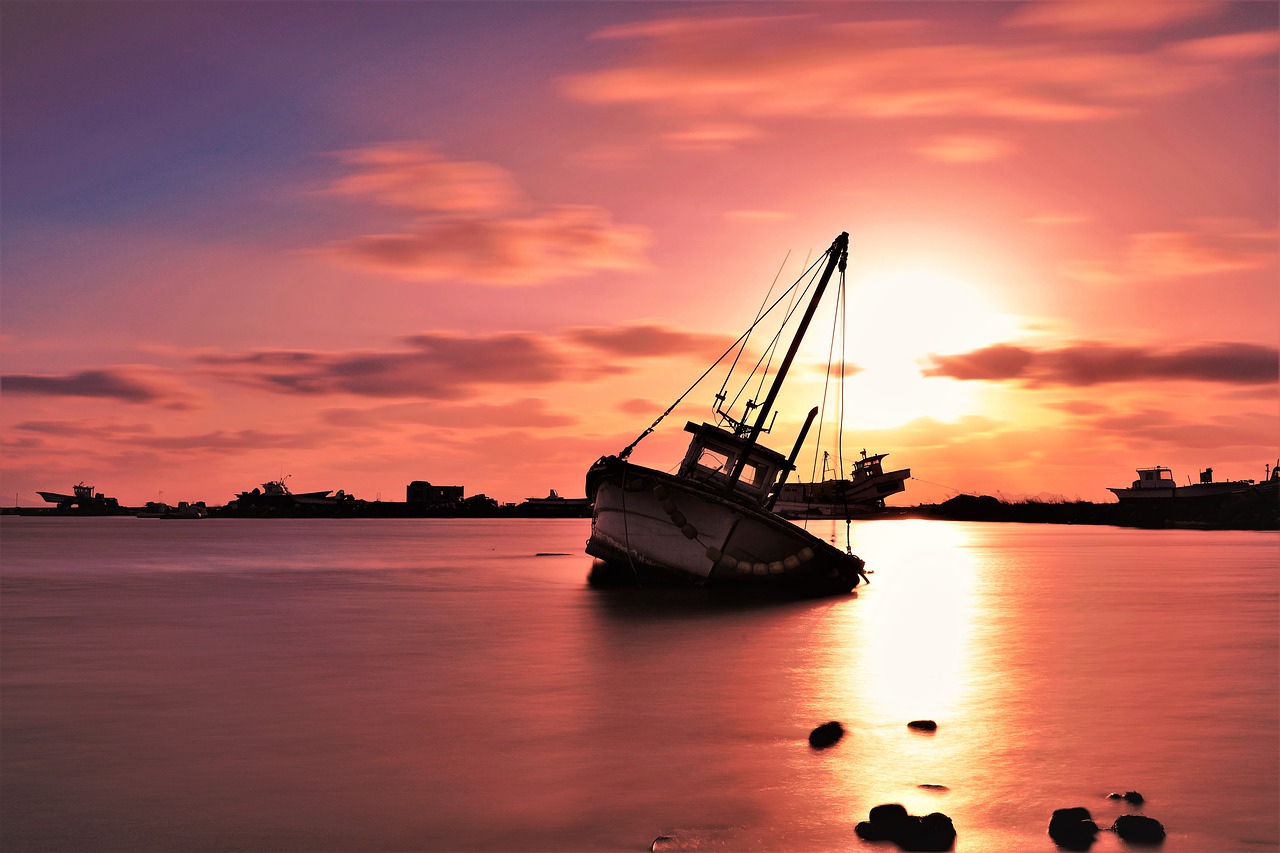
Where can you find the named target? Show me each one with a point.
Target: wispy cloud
(530, 412)
(966, 148)
(452, 366)
(647, 340)
(760, 68)
(470, 222)
(1103, 16)
(1088, 363)
(126, 384)
(1210, 246)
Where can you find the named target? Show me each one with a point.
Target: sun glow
(898, 318)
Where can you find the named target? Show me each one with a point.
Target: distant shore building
(422, 492)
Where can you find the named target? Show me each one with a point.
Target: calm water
(456, 685)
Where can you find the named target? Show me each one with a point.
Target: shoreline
(1257, 509)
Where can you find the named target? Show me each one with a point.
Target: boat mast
(837, 254)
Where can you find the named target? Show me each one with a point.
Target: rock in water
(923, 725)
(1073, 829)
(1129, 796)
(825, 735)
(883, 823)
(933, 832)
(890, 822)
(1139, 829)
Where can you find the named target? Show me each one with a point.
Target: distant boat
(864, 491)
(156, 509)
(711, 522)
(556, 505)
(273, 497)
(1157, 484)
(84, 498)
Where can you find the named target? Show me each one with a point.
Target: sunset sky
(483, 244)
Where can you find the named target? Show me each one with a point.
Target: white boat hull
(664, 529)
(1198, 491)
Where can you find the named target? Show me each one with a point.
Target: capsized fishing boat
(711, 523)
(863, 492)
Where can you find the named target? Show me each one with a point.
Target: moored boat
(712, 523)
(863, 492)
(1157, 484)
(184, 510)
(83, 500)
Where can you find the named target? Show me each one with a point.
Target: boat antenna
(837, 255)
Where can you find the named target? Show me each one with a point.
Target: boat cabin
(868, 466)
(713, 453)
(1154, 478)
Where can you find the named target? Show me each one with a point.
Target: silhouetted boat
(863, 492)
(1157, 484)
(274, 497)
(83, 499)
(184, 510)
(556, 506)
(711, 522)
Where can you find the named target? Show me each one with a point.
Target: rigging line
(943, 486)
(626, 451)
(763, 302)
(793, 306)
(791, 312)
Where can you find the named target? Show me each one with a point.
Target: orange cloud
(451, 366)
(1226, 48)
(560, 242)
(1093, 363)
(709, 137)
(966, 148)
(797, 66)
(1215, 246)
(532, 412)
(471, 223)
(414, 176)
(1099, 16)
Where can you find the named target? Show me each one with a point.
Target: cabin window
(715, 461)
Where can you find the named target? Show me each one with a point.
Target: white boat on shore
(1157, 484)
(862, 493)
(711, 523)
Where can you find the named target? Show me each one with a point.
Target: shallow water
(456, 685)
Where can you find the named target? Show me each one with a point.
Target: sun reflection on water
(904, 650)
(916, 636)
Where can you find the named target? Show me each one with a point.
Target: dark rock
(1073, 829)
(1139, 829)
(930, 786)
(890, 822)
(825, 735)
(923, 725)
(1130, 796)
(932, 832)
(661, 842)
(883, 823)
